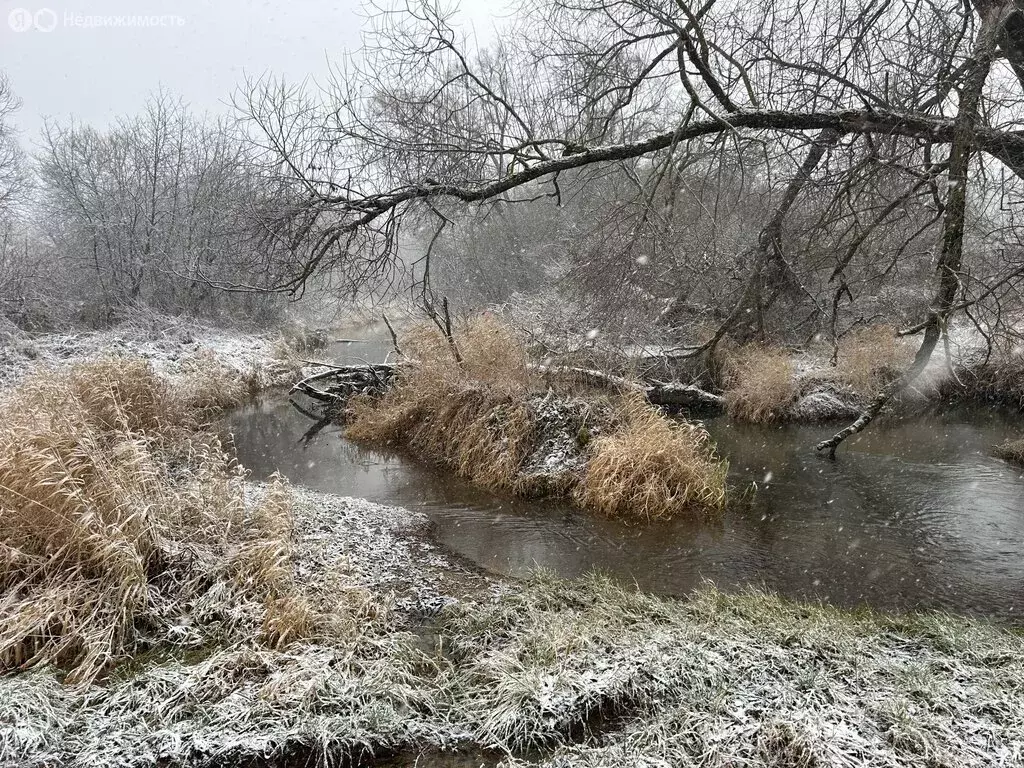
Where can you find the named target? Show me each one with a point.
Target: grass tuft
(205, 386)
(119, 521)
(760, 384)
(471, 417)
(652, 468)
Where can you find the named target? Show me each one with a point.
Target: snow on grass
(168, 344)
(741, 680)
(590, 673)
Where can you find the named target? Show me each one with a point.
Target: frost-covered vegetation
(126, 525)
(1011, 450)
(472, 402)
(790, 210)
(582, 673)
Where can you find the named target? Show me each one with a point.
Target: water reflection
(914, 515)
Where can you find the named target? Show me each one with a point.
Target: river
(915, 514)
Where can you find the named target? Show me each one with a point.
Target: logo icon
(45, 20)
(20, 20)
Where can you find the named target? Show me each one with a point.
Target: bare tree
(16, 267)
(13, 177)
(876, 133)
(154, 210)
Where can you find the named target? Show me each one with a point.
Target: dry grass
(997, 380)
(205, 386)
(652, 468)
(477, 418)
(118, 517)
(872, 356)
(718, 681)
(299, 339)
(726, 680)
(1012, 450)
(760, 384)
(537, 668)
(471, 417)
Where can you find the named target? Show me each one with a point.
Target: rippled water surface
(915, 514)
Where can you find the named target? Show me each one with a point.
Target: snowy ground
(561, 675)
(386, 550)
(165, 343)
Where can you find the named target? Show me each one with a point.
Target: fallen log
(674, 395)
(347, 380)
(688, 396)
(375, 378)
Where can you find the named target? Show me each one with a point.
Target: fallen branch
(667, 394)
(349, 380)
(394, 336)
(353, 379)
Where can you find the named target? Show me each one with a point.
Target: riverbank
(170, 345)
(552, 673)
(819, 381)
(371, 641)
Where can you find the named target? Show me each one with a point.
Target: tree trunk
(770, 266)
(993, 17)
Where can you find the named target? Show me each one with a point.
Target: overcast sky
(199, 49)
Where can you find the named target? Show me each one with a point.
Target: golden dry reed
(476, 418)
(119, 517)
(472, 417)
(652, 468)
(870, 356)
(760, 384)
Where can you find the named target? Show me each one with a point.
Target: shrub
(652, 468)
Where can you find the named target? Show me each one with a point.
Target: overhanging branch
(356, 213)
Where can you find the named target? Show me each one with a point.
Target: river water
(914, 514)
